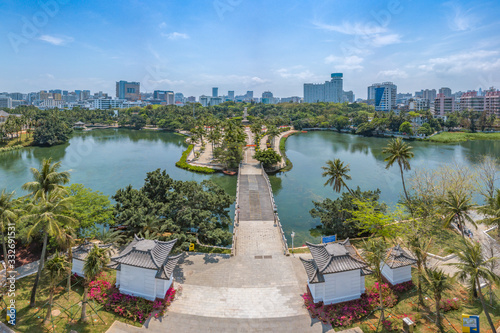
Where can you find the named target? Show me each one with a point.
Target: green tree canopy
(406, 128)
(268, 157)
(52, 130)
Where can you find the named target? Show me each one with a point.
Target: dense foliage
(167, 209)
(52, 130)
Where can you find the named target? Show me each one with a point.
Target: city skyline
(193, 46)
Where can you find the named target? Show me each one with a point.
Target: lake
(107, 160)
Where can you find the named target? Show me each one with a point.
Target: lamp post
(293, 235)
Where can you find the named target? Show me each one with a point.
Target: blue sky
(191, 46)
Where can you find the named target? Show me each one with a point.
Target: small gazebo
(336, 273)
(397, 268)
(80, 253)
(145, 268)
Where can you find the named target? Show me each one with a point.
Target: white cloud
(162, 25)
(383, 40)
(458, 19)
(175, 35)
(352, 28)
(345, 63)
(287, 73)
(393, 74)
(56, 40)
(481, 60)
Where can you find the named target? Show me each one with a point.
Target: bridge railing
(275, 211)
(236, 213)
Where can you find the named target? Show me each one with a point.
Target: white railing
(236, 214)
(275, 211)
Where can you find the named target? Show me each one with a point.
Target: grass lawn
(30, 319)
(453, 137)
(423, 317)
(24, 140)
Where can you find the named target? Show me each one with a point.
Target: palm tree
(438, 282)
(401, 153)
(473, 266)
(67, 240)
(56, 267)
(48, 217)
(457, 205)
(96, 260)
(337, 172)
(115, 237)
(8, 216)
(419, 247)
(272, 132)
(375, 253)
(46, 180)
(492, 210)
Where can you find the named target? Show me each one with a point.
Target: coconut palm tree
(8, 216)
(375, 253)
(337, 171)
(48, 216)
(473, 266)
(272, 132)
(46, 180)
(438, 282)
(67, 240)
(419, 247)
(492, 210)
(400, 153)
(94, 263)
(457, 205)
(56, 268)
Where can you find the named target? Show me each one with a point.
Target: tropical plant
(337, 172)
(438, 282)
(400, 153)
(8, 216)
(56, 268)
(48, 217)
(419, 247)
(492, 210)
(268, 157)
(457, 205)
(375, 253)
(67, 240)
(94, 263)
(473, 266)
(110, 236)
(46, 180)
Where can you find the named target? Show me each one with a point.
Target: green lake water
(107, 160)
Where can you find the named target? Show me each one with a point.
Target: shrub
(402, 287)
(389, 298)
(449, 304)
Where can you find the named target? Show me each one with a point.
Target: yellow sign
(191, 247)
(470, 324)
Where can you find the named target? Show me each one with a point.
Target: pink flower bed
(449, 304)
(402, 287)
(344, 314)
(132, 307)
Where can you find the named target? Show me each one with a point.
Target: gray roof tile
(397, 257)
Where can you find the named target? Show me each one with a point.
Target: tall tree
(473, 266)
(375, 253)
(400, 153)
(47, 179)
(338, 173)
(94, 263)
(48, 216)
(438, 282)
(419, 247)
(492, 210)
(8, 216)
(457, 205)
(55, 267)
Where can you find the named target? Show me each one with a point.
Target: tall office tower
(230, 95)
(5, 102)
(78, 94)
(348, 96)
(249, 95)
(383, 96)
(85, 94)
(429, 94)
(215, 92)
(444, 104)
(178, 98)
(445, 91)
(267, 97)
(128, 90)
(330, 91)
(16, 96)
(492, 102)
(191, 99)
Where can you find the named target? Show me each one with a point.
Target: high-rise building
(204, 100)
(249, 95)
(348, 96)
(444, 104)
(471, 101)
(492, 102)
(383, 96)
(107, 103)
(230, 95)
(178, 98)
(17, 96)
(5, 102)
(128, 90)
(445, 91)
(429, 94)
(191, 99)
(164, 96)
(267, 97)
(330, 91)
(215, 92)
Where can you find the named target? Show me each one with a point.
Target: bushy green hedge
(184, 165)
(289, 164)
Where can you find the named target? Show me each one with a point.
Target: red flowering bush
(449, 304)
(388, 296)
(402, 287)
(132, 307)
